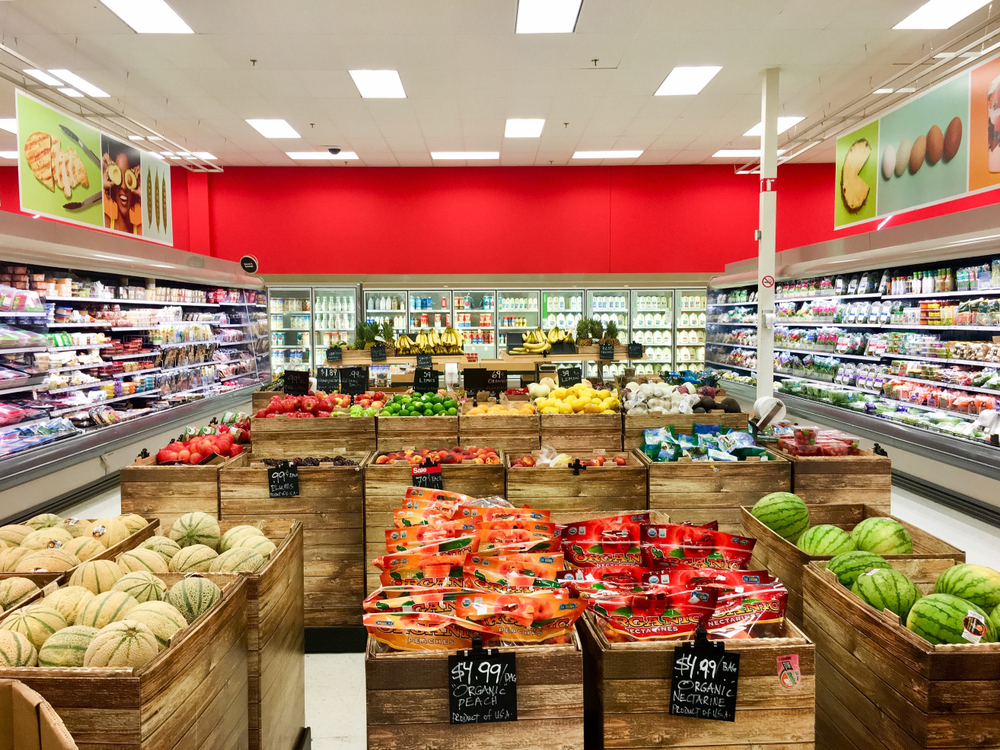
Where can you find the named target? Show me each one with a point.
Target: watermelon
(883, 536)
(974, 583)
(849, 565)
(196, 528)
(193, 596)
(783, 513)
(885, 588)
(825, 540)
(16, 650)
(943, 618)
(67, 647)
(122, 644)
(995, 619)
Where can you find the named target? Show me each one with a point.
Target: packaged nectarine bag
(511, 541)
(751, 603)
(493, 515)
(666, 546)
(539, 617)
(516, 573)
(672, 615)
(604, 541)
(423, 566)
(421, 631)
(440, 599)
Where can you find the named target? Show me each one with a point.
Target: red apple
(620, 461)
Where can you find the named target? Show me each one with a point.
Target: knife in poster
(79, 143)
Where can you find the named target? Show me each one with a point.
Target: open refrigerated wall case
(474, 316)
(652, 325)
(690, 329)
(334, 319)
(290, 311)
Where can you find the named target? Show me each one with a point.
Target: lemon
(603, 395)
(565, 409)
(559, 393)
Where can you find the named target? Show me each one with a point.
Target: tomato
(261, 413)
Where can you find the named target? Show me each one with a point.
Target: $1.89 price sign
(482, 688)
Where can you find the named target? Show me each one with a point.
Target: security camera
(334, 150)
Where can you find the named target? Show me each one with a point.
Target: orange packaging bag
(421, 631)
(400, 540)
(439, 496)
(439, 599)
(504, 514)
(512, 574)
(423, 566)
(538, 617)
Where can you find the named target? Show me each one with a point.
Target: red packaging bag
(604, 541)
(655, 617)
(421, 631)
(439, 599)
(751, 603)
(666, 546)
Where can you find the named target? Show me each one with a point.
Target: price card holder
(428, 475)
(635, 351)
(496, 381)
(334, 354)
(705, 680)
(353, 380)
(426, 381)
(378, 352)
(514, 340)
(569, 376)
(327, 379)
(283, 480)
(607, 351)
(296, 382)
(424, 360)
(482, 685)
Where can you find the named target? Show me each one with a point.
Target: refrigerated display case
(690, 319)
(653, 327)
(334, 319)
(290, 311)
(382, 304)
(430, 308)
(475, 318)
(519, 310)
(561, 307)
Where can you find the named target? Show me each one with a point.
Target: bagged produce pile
(708, 442)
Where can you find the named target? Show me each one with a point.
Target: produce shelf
(13, 314)
(790, 376)
(74, 368)
(21, 388)
(135, 372)
(985, 329)
(944, 295)
(731, 367)
(174, 344)
(733, 304)
(748, 324)
(76, 347)
(810, 324)
(735, 346)
(860, 357)
(231, 325)
(82, 387)
(34, 349)
(838, 297)
(940, 384)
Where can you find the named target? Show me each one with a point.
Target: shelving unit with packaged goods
(651, 323)
(391, 303)
(690, 328)
(290, 316)
(476, 317)
(335, 319)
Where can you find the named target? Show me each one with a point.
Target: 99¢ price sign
(704, 682)
(482, 687)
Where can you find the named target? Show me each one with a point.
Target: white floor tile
(335, 701)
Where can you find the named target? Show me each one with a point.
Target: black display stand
(336, 640)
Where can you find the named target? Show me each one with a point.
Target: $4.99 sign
(482, 687)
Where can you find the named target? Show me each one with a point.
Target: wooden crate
(582, 432)
(288, 437)
(627, 694)
(866, 478)
(637, 424)
(881, 687)
(510, 433)
(385, 486)
(930, 557)
(397, 433)
(407, 700)
(260, 399)
(168, 492)
(192, 695)
(598, 490)
(330, 507)
(702, 491)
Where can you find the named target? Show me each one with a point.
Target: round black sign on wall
(249, 264)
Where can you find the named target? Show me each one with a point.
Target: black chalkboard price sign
(569, 376)
(704, 681)
(426, 381)
(607, 351)
(423, 360)
(327, 379)
(378, 352)
(353, 380)
(428, 475)
(482, 687)
(635, 351)
(296, 382)
(334, 354)
(283, 480)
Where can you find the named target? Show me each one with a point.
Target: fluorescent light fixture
(940, 14)
(523, 128)
(166, 153)
(8, 154)
(952, 55)
(740, 153)
(547, 16)
(378, 84)
(607, 154)
(184, 153)
(683, 81)
(465, 154)
(136, 138)
(175, 158)
(784, 123)
(205, 156)
(71, 92)
(883, 91)
(273, 128)
(321, 155)
(156, 155)
(155, 138)
(9, 124)
(80, 84)
(148, 16)
(906, 90)
(44, 77)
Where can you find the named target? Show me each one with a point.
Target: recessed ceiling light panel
(70, 92)
(42, 76)
(516, 128)
(547, 16)
(784, 123)
(607, 154)
(378, 84)
(940, 14)
(149, 16)
(8, 154)
(79, 83)
(461, 155)
(205, 156)
(9, 124)
(273, 128)
(740, 153)
(687, 81)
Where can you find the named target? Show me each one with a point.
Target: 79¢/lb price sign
(482, 687)
(704, 681)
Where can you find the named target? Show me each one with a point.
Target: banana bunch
(452, 341)
(534, 342)
(429, 341)
(558, 336)
(404, 346)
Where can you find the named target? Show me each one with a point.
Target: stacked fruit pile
(565, 459)
(429, 342)
(322, 406)
(456, 455)
(499, 410)
(539, 342)
(438, 404)
(581, 398)
(225, 442)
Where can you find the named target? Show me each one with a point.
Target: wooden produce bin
(596, 490)
(701, 491)
(192, 695)
(291, 437)
(627, 693)
(407, 700)
(637, 424)
(881, 687)
(397, 433)
(842, 479)
(330, 508)
(260, 399)
(582, 432)
(930, 557)
(384, 488)
(513, 434)
(168, 492)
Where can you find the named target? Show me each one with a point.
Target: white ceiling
(465, 72)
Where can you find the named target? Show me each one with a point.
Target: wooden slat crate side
(512, 433)
(836, 722)
(281, 711)
(285, 437)
(398, 433)
(597, 488)
(260, 399)
(562, 733)
(637, 424)
(243, 489)
(385, 484)
(581, 432)
(168, 492)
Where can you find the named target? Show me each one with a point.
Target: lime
(452, 411)
(438, 408)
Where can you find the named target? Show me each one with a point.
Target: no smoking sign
(767, 281)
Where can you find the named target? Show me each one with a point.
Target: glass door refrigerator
(430, 308)
(652, 313)
(334, 319)
(387, 304)
(519, 311)
(563, 308)
(475, 318)
(290, 317)
(606, 306)
(689, 328)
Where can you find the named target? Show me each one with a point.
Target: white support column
(767, 234)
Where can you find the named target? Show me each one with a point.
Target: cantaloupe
(14, 534)
(259, 544)
(235, 534)
(13, 591)
(46, 561)
(47, 538)
(108, 531)
(103, 609)
(162, 618)
(96, 575)
(36, 623)
(16, 650)
(10, 557)
(237, 560)
(43, 521)
(74, 526)
(196, 528)
(84, 547)
(142, 559)
(70, 601)
(142, 585)
(122, 644)
(193, 597)
(194, 559)
(133, 522)
(67, 647)
(164, 546)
